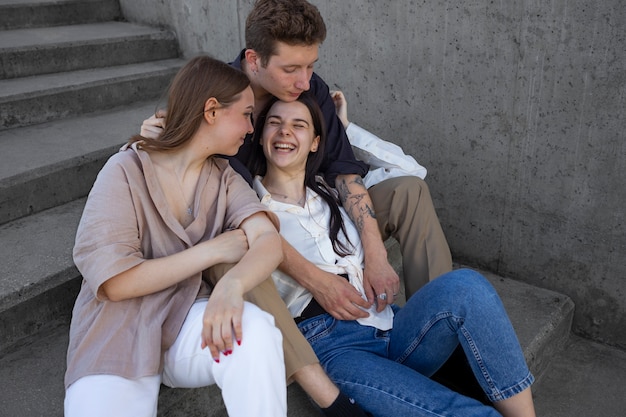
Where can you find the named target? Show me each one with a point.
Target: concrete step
(28, 52)
(53, 163)
(15, 14)
(39, 280)
(31, 100)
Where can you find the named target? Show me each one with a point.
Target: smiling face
(287, 73)
(288, 136)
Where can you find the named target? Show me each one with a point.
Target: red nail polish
(238, 342)
(217, 360)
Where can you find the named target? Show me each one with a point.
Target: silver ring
(383, 296)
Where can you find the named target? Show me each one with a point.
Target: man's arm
(335, 294)
(379, 277)
(345, 171)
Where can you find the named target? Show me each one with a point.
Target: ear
(209, 109)
(252, 60)
(315, 144)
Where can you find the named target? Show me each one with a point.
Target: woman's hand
(222, 318)
(232, 245)
(261, 255)
(153, 126)
(341, 107)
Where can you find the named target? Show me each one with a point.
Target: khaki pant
(404, 210)
(298, 352)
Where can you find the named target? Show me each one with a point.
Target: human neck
(288, 187)
(178, 176)
(261, 95)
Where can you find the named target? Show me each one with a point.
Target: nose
(284, 130)
(250, 126)
(303, 81)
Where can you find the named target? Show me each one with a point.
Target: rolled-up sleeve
(107, 241)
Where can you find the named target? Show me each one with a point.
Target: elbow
(273, 245)
(107, 293)
(111, 290)
(277, 245)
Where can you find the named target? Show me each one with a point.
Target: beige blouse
(126, 220)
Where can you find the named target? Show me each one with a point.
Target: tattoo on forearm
(353, 203)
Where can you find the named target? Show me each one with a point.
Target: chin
(288, 97)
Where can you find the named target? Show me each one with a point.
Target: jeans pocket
(316, 328)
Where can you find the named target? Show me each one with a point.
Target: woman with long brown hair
(161, 213)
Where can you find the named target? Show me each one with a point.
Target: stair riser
(47, 310)
(57, 13)
(59, 58)
(30, 194)
(47, 106)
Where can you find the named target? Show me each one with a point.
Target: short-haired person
(160, 214)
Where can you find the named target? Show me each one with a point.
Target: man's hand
(153, 126)
(338, 297)
(341, 107)
(380, 278)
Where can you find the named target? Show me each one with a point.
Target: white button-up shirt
(306, 229)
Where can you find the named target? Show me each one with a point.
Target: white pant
(252, 379)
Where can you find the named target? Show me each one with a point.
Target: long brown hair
(201, 78)
(257, 165)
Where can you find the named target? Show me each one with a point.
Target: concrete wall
(516, 108)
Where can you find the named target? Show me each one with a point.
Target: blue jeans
(387, 372)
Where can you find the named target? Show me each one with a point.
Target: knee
(404, 186)
(258, 326)
(407, 197)
(468, 282)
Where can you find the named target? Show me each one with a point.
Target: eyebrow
(299, 65)
(269, 116)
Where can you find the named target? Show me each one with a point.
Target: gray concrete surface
(515, 108)
(585, 380)
(93, 45)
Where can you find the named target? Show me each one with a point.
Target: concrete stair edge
(34, 160)
(37, 253)
(39, 13)
(29, 52)
(541, 318)
(78, 92)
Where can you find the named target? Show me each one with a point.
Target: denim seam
(508, 392)
(479, 359)
(418, 406)
(409, 350)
